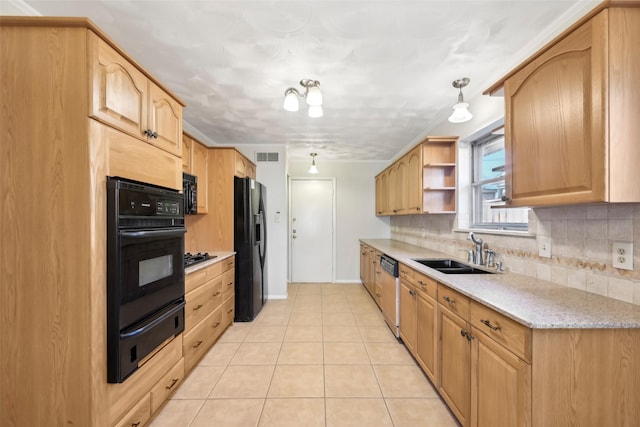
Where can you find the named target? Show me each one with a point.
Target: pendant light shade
(290, 101)
(460, 113)
(314, 96)
(315, 111)
(460, 109)
(313, 168)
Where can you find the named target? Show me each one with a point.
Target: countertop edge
(219, 256)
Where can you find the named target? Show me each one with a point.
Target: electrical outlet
(544, 246)
(622, 255)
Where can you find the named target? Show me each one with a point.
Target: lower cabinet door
(427, 335)
(455, 364)
(502, 384)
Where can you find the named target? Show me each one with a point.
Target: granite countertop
(532, 302)
(219, 256)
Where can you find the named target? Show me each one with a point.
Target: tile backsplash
(581, 245)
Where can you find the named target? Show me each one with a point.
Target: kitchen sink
(450, 266)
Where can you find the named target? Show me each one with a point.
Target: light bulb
(313, 169)
(460, 113)
(315, 111)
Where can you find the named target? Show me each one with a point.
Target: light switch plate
(544, 246)
(622, 255)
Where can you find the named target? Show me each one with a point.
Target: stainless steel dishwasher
(390, 301)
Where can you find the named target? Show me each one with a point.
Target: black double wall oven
(145, 272)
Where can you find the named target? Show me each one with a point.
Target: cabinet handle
(198, 307)
(230, 283)
(216, 325)
(505, 199)
(216, 294)
(173, 382)
(403, 271)
(488, 323)
(422, 283)
(151, 134)
(466, 334)
(136, 424)
(412, 292)
(378, 272)
(449, 300)
(378, 295)
(230, 310)
(197, 344)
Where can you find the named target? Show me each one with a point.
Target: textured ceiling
(385, 67)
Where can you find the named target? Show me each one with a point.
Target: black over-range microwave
(190, 193)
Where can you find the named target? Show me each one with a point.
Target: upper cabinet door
(414, 180)
(555, 122)
(119, 94)
(165, 121)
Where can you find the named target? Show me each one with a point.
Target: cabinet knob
(466, 334)
(173, 382)
(412, 293)
(151, 134)
(505, 199)
(449, 300)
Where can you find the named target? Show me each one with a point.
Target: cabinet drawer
(228, 281)
(454, 301)
(229, 263)
(202, 301)
(200, 277)
(228, 310)
(167, 385)
(507, 332)
(405, 272)
(198, 340)
(138, 415)
(425, 285)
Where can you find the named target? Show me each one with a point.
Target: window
(488, 187)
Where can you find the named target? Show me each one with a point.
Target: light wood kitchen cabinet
(426, 349)
(421, 181)
(408, 315)
(123, 97)
(207, 296)
(500, 385)
(75, 124)
(187, 142)
(439, 175)
(200, 168)
(412, 187)
(571, 108)
(244, 167)
(195, 161)
(455, 363)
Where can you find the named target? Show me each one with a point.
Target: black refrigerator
(250, 245)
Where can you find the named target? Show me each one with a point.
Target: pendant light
(313, 168)
(460, 109)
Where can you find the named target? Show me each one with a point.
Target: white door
(311, 230)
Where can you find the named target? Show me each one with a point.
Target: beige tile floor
(324, 357)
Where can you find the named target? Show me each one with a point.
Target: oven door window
(152, 271)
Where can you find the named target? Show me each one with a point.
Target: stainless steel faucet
(477, 259)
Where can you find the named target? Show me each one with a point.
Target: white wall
(274, 176)
(355, 208)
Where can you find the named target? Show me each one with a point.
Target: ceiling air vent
(266, 157)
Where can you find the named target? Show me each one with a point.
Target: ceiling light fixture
(460, 112)
(313, 168)
(311, 93)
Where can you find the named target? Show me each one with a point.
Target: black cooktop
(192, 259)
